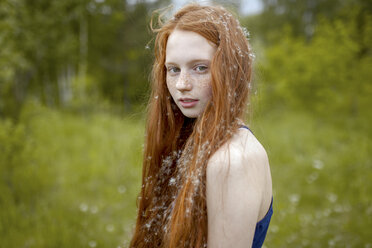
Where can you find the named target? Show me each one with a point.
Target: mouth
(188, 102)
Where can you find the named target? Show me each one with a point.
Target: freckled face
(188, 59)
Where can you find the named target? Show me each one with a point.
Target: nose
(183, 82)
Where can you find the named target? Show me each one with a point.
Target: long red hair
(172, 209)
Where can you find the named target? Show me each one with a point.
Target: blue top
(263, 225)
(261, 228)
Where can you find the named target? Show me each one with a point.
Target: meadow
(71, 180)
(73, 83)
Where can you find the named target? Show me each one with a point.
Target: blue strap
(246, 128)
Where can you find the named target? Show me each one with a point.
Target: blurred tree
(61, 51)
(40, 41)
(301, 16)
(117, 59)
(329, 75)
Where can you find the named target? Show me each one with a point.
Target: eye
(201, 68)
(173, 69)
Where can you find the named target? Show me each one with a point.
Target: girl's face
(188, 60)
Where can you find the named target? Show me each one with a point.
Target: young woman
(206, 179)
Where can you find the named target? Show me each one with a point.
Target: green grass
(71, 180)
(322, 180)
(67, 180)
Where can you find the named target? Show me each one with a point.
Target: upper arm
(235, 188)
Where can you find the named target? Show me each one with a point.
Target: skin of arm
(239, 191)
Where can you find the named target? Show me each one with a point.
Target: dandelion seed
(294, 198)
(110, 228)
(187, 212)
(147, 47)
(312, 177)
(83, 207)
(94, 209)
(172, 181)
(246, 32)
(92, 243)
(332, 197)
(274, 228)
(331, 242)
(318, 164)
(122, 189)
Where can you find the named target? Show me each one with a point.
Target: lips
(188, 102)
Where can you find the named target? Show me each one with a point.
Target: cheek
(170, 84)
(205, 85)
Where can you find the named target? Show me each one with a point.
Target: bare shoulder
(239, 190)
(243, 153)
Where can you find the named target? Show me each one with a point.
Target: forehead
(183, 46)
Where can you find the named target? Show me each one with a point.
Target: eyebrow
(191, 62)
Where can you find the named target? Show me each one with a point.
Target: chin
(190, 114)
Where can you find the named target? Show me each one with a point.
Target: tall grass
(67, 180)
(322, 179)
(71, 180)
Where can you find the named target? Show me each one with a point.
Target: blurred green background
(73, 90)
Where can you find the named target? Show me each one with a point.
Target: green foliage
(47, 44)
(68, 181)
(71, 181)
(39, 39)
(301, 16)
(321, 179)
(314, 120)
(328, 75)
(118, 59)
(70, 176)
